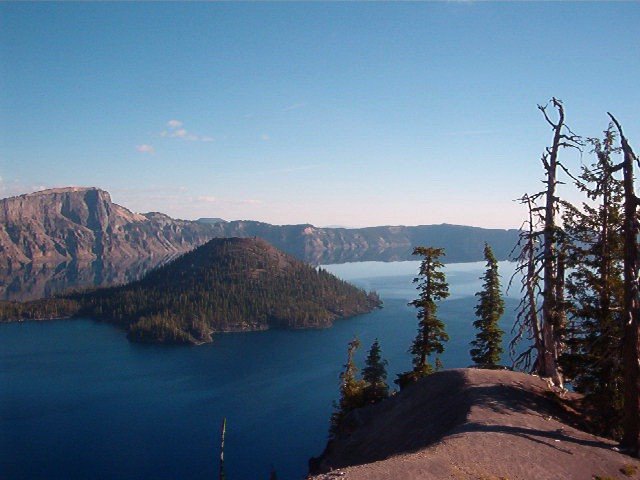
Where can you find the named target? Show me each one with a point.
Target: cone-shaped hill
(226, 285)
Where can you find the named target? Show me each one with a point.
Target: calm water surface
(77, 400)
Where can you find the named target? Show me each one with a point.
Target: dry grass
(629, 470)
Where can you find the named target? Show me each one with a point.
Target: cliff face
(471, 424)
(77, 237)
(83, 225)
(385, 243)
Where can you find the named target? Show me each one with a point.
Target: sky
(350, 114)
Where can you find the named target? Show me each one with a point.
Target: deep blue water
(77, 400)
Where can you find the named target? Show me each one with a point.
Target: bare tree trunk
(605, 240)
(527, 320)
(561, 310)
(630, 340)
(532, 261)
(531, 293)
(223, 432)
(550, 307)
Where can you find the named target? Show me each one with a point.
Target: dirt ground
(473, 424)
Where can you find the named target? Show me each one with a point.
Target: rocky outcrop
(83, 225)
(472, 424)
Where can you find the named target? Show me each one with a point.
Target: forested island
(226, 285)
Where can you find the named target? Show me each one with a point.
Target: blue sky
(348, 114)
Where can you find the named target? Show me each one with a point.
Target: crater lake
(77, 400)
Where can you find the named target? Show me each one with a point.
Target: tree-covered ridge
(225, 285)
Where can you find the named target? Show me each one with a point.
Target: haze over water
(80, 401)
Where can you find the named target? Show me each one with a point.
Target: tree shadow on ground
(448, 403)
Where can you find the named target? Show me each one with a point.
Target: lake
(77, 400)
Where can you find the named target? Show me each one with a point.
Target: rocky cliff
(385, 243)
(77, 237)
(83, 225)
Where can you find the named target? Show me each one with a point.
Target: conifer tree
(487, 346)
(375, 376)
(351, 389)
(433, 287)
(631, 309)
(593, 360)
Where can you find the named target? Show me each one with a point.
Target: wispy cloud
(179, 201)
(264, 137)
(16, 187)
(249, 201)
(294, 106)
(223, 201)
(138, 191)
(146, 149)
(175, 129)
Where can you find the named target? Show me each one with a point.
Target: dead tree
(631, 332)
(529, 267)
(223, 432)
(540, 259)
(552, 306)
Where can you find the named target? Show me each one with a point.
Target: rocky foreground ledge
(473, 424)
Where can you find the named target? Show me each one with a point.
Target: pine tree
(593, 360)
(375, 376)
(631, 309)
(433, 287)
(351, 390)
(488, 342)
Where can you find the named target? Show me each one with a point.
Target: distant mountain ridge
(384, 243)
(76, 237)
(210, 221)
(83, 224)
